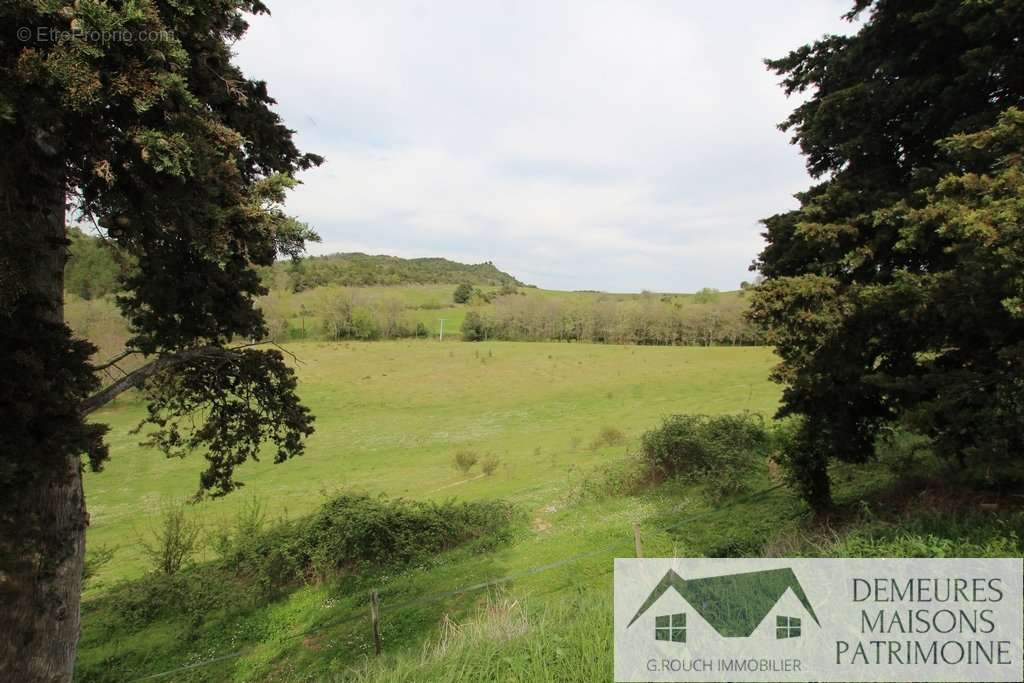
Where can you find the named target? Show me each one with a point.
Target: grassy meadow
(390, 417)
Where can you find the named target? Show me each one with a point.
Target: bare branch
(115, 360)
(284, 350)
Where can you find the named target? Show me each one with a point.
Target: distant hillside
(92, 269)
(364, 270)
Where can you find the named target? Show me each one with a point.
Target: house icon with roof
(732, 605)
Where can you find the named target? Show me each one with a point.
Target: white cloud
(599, 145)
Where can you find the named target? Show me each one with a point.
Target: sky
(616, 146)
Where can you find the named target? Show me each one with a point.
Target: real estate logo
(820, 620)
(734, 605)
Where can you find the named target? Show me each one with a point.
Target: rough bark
(40, 617)
(42, 533)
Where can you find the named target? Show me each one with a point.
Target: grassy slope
(390, 416)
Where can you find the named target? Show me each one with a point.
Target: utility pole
(440, 336)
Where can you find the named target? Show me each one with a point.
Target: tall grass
(505, 641)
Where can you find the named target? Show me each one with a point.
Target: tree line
(646, 320)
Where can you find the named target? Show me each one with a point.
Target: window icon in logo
(671, 627)
(787, 627)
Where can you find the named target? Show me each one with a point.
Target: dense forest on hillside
(364, 270)
(94, 264)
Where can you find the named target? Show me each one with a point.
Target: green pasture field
(390, 417)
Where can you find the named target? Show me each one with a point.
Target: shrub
(707, 295)
(462, 293)
(361, 529)
(352, 532)
(490, 464)
(624, 476)
(804, 457)
(464, 461)
(349, 534)
(195, 593)
(174, 541)
(473, 327)
(250, 520)
(717, 452)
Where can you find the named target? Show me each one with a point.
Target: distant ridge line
(360, 269)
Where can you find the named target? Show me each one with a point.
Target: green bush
(624, 476)
(804, 456)
(718, 452)
(174, 541)
(354, 532)
(904, 453)
(350, 534)
(464, 461)
(462, 293)
(194, 594)
(357, 529)
(473, 327)
(490, 464)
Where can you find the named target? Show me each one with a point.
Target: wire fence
(475, 587)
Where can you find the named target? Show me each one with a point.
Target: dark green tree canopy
(474, 327)
(134, 114)
(167, 146)
(463, 293)
(879, 297)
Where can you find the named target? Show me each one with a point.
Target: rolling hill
(364, 270)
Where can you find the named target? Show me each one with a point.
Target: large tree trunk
(42, 514)
(39, 618)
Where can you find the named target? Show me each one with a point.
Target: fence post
(636, 540)
(375, 618)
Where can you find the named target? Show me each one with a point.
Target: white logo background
(812, 656)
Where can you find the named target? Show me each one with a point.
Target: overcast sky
(617, 146)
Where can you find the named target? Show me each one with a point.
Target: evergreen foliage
(893, 293)
(181, 161)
